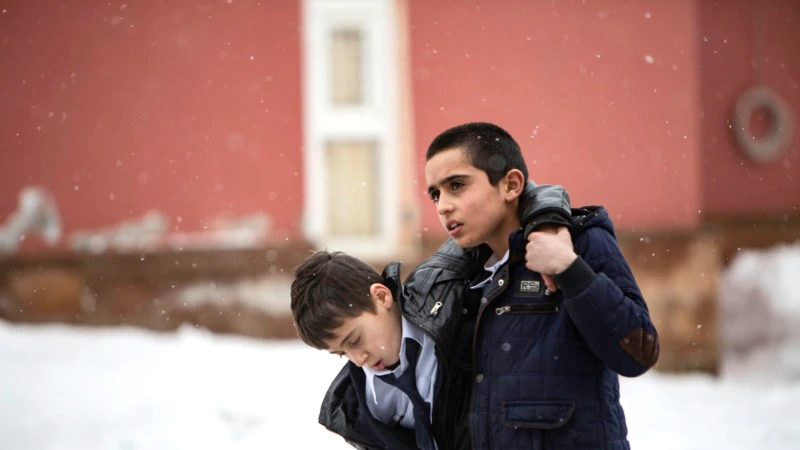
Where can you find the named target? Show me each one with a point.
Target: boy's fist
(549, 251)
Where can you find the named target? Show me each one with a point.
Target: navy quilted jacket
(432, 299)
(546, 364)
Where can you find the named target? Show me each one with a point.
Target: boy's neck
(498, 242)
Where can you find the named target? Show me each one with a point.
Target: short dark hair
(327, 289)
(487, 147)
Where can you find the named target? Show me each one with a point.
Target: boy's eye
(434, 196)
(456, 185)
(355, 341)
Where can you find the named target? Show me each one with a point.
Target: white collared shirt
(492, 266)
(391, 405)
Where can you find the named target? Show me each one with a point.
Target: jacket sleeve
(360, 446)
(340, 411)
(606, 305)
(540, 204)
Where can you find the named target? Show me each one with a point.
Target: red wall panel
(602, 96)
(191, 108)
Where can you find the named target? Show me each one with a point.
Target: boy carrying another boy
(532, 360)
(408, 379)
(545, 363)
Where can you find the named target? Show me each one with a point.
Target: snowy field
(125, 389)
(67, 388)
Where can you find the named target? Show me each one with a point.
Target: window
(347, 80)
(351, 150)
(352, 194)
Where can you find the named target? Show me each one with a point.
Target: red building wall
(602, 96)
(192, 108)
(195, 108)
(743, 43)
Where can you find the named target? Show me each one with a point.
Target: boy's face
(371, 340)
(470, 209)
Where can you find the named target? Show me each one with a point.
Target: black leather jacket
(433, 298)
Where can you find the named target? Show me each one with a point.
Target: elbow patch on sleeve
(641, 346)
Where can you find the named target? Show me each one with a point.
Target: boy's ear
(381, 295)
(514, 184)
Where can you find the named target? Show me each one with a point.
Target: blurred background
(166, 164)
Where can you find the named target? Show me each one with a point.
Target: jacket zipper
(530, 308)
(474, 346)
(443, 363)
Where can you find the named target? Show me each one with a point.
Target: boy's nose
(443, 206)
(359, 359)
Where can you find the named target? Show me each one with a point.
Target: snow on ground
(65, 388)
(123, 389)
(700, 412)
(75, 389)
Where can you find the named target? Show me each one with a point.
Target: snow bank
(759, 304)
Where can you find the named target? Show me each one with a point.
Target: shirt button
(484, 300)
(479, 377)
(396, 418)
(500, 282)
(464, 311)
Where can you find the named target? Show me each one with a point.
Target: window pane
(346, 73)
(352, 191)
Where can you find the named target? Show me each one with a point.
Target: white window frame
(375, 120)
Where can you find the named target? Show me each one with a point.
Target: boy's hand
(549, 251)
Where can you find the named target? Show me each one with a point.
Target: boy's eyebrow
(445, 180)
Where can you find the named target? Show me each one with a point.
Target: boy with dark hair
(545, 363)
(407, 382)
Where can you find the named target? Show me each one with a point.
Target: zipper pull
(435, 309)
(502, 310)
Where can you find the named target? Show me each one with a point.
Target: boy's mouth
(378, 366)
(453, 227)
